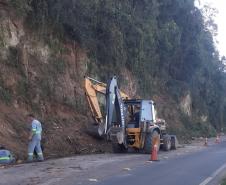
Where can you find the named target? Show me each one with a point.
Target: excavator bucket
(96, 131)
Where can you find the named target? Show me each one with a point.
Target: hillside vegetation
(159, 49)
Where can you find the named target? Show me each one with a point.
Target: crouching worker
(6, 156)
(34, 138)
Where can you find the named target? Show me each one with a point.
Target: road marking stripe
(207, 180)
(127, 169)
(219, 170)
(93, 180)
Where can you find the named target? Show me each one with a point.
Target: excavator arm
(115, 114)
(92, 87)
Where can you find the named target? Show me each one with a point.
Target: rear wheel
(166, 143)
(174, 142)
(119, 148)
(151, 139)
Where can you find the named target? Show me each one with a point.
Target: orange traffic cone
(154, 154)
(206, 142)
(217, 139)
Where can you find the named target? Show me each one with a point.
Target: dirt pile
(43, 76)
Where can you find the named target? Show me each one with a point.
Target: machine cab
(139, 111)
(147, 112)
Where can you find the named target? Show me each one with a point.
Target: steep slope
(44, 78)
(159, 50)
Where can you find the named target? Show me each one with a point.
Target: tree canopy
(166, 44)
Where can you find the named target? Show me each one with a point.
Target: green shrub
(5, 95)
(22, 7)
(223, 181)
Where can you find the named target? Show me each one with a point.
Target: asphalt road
(199, 168)
(192, 164)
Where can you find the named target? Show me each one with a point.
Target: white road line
(219, 170)
(207, 180)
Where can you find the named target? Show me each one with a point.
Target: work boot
(30, 158)
(40, 158)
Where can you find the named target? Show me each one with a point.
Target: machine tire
(119, 148)
(174, 142)
(166, 143)
(149, 139)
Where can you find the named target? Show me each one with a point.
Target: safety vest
(36, 127)
(4, 158)
(4, 155)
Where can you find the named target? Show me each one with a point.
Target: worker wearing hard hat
(34, 138)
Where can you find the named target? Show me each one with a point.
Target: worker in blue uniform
(35, 138)
(6, 156)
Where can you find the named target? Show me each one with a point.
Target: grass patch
(5, 95)
(223, 182)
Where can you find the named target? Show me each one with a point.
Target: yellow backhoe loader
(128, 123)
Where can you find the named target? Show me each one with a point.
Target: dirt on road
(87, 168)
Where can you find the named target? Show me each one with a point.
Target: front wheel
(151, 139)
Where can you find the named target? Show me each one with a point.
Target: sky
(220, 20)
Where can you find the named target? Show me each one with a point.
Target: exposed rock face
(185, 104)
